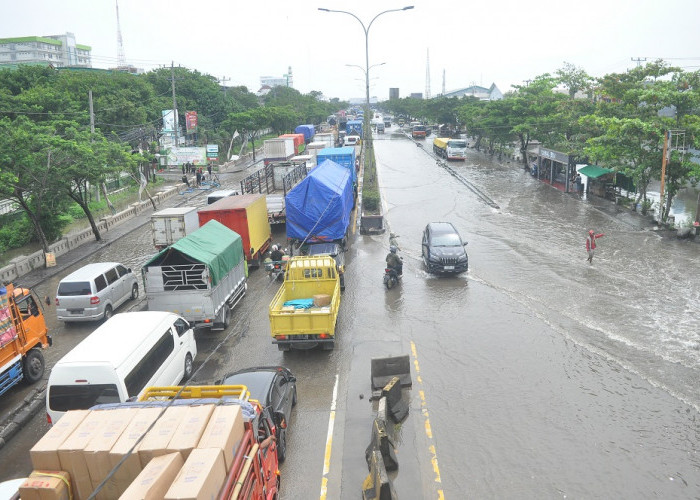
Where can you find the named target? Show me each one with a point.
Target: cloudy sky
(505, 42)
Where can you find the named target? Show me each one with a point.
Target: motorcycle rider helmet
(590, 232)
(393, 249)
(275, 247)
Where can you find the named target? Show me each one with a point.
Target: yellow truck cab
(304, 311)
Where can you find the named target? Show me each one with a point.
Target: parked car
(274, 387)
(443, 249)
(95, 291)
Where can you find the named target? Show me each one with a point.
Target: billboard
(169, 120)
(194, 155)
(191, 121)
(212, 152)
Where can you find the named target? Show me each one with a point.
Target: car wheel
(294, 397)
(134, 292)
(108, 312)
(282, 445)
(33, 366)
(189, 366)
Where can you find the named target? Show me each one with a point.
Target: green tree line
(618, 121)
(51, 159)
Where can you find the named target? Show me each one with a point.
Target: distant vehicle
(171, 224)
(274, 387)
(351, 140)
(443, 249)
(95, 291)
(380, 128)
(418, 131)
(217, 195)
(450, 149)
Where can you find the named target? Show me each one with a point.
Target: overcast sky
(505, 42)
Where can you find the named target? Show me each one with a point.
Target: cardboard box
(155, 479)
(131, 467)
(157, 440)
(97, 451)
(224, 431)
(70, 452)
(44, 453)
(322, 300)
(46, 485)
(190, 430)
(202, 476)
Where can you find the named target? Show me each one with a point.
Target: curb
(19, 416)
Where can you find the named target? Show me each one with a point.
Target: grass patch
(370, 185)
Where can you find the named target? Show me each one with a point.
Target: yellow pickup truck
(305, 309)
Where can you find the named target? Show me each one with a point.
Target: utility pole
(639, 60)
(675, 144)
(92, 131)
(172, 81)
(427, 75)
(223, 84)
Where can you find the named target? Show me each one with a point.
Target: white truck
(171, 224)
(280, 149)
(201, 277)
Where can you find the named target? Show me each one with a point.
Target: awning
(594, 171)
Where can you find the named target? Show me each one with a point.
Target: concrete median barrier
(384, 369)
(377, 485)
(395, 403)
(384, 444)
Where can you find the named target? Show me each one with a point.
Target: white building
(56, 50)
(268, 82)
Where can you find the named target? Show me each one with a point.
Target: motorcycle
(275, 268)
(391, 278)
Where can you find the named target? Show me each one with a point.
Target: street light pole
(366, 30)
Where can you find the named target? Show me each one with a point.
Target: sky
(505, 42)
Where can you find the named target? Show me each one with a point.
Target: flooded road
(547, 377)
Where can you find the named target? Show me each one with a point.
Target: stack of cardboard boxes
(186, 454)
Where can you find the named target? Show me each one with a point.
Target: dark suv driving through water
(443, 249)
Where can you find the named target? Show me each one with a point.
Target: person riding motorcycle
(393, 261)
(276, 254)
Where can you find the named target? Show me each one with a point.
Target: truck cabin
(418, 131)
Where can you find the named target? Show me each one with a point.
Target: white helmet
(393, 249)
(275, 247)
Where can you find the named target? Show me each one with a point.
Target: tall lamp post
(366, 30)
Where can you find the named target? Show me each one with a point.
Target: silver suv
(94, 291)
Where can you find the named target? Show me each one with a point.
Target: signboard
(191, 121)
(179, 156)
(212, 152)
(169, 120)
(554, 155)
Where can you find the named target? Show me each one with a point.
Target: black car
(443, 249)
(274, 387)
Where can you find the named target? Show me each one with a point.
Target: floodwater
(546, 376)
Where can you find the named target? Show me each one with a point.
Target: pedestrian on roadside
(185, 181)
(183, 168)
(209, 170)
(199, 179)
(579, 184)
(591, 245)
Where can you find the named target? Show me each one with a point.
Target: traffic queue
(121, 427)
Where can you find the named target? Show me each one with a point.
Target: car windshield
(446, 240)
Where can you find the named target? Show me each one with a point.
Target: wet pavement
(541, 376)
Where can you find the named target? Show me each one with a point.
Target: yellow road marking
(426, 416)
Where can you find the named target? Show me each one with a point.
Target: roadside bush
(14, 232)
(370, 201)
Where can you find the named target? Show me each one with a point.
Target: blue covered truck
(308, 130)
(354, 127)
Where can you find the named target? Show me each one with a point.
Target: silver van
(94, 291)
(215, 196)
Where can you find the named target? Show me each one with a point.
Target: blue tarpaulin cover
(345, 157)
(319, 206)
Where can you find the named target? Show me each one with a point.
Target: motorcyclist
(393, 261)
(276, 254)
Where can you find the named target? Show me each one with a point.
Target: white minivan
(126, 354)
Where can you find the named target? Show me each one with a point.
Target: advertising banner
(178, 156)
(191, 121)
(169, 120)
(212, 152)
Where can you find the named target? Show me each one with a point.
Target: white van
(126, 354)
(94, 291)
(222, 193)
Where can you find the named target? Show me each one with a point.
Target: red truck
(299, 142)
(245, 214)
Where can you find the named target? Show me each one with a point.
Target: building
(482, 93)
(416, 95)
(55, 50)
(393, 93)
(272, 81)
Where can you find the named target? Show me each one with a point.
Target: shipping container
(299, 142)
(171, 224)
(280, 149)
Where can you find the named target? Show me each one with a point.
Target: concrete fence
(22, 265)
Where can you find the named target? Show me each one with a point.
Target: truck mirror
(252, 251)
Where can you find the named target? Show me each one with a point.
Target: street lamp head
(324, 10)
(408, 8)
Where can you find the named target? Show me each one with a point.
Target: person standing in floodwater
(590, 244)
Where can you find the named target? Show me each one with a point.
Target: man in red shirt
(590, 244)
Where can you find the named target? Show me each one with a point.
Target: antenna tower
(427, 76)
(121, 58)
(443, 81)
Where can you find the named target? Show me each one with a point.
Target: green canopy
(594, 171)
(213, 244)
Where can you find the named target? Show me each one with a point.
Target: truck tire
(226, 319)
(282, 445)
(33, 366)
(283, 348)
